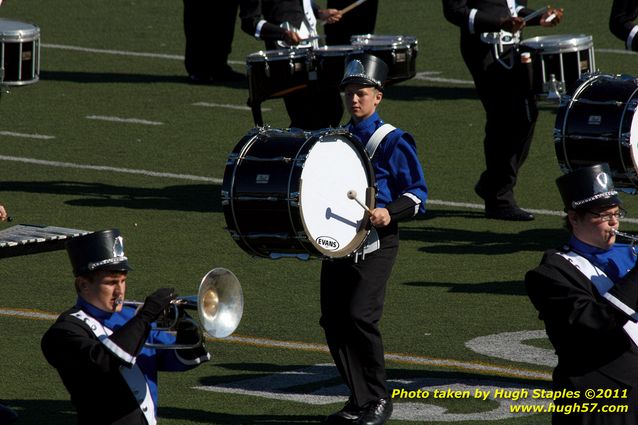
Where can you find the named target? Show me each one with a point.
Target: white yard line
(123, 120)
(26, 136)
(226, 105)
(122, 52)
(109, 169)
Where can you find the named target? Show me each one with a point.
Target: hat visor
(362, 81)
(121, 266)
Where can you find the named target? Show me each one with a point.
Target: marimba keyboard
(24, 239)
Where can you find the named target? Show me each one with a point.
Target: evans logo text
(327, 242)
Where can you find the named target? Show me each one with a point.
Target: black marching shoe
(376, 412)
(350, 414)
(509, 214)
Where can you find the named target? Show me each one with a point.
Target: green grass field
(458, 276)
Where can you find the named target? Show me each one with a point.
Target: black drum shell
(593, 125)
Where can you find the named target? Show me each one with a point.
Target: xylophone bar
(25, 239)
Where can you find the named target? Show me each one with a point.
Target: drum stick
(352, 194)
(351, 6)
(536, 13)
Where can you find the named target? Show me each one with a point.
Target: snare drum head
(337, 50)
(333, 222)
(17, 31)
(275, 55)
(559, 43)
(382, 40)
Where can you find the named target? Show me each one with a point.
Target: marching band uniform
(318, 105)
(585, 296)
(353, 289)
(360, 20)
(100, 355)
(621, 22)
(503, 85)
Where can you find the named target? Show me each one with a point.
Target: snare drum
(284, 193)
(275, 73)
(330, 63)
(598, 123)
(559, 60)
(397, 51)
(19, 53)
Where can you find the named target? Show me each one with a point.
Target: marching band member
(621, 22)
(318, 105)
(490, 32)
(353, 289)
(97, 346)
(586, 293)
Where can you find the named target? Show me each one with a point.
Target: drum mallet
(352, 194)
(351, 6)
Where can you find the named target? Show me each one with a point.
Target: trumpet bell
(220, 302)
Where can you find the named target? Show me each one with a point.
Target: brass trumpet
(219, 303)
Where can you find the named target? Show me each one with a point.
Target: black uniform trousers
(360, 20)
(209, 27)
(352, 298)
(511, 113)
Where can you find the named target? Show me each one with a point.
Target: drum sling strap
(603, 284)
(132, 375)
(377, 137)
(372, 242)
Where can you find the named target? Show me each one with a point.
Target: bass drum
(284, 193)
(598, 123)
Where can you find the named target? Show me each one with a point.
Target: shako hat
(587, 187)
(102, 250)
(364, 69)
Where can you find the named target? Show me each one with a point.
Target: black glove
(156, 303)
(187, 331)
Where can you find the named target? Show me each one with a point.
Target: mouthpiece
(119, 301)
(633, 238)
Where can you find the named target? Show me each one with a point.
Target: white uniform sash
(311, 22)
(603, 284)
(377, 137)
(132, 375)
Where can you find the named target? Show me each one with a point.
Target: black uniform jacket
(584, 328)
(90, 372)
(275, 12)
(488, 17)
(623, 13)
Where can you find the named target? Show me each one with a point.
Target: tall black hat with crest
(588, 187)
(102, 250)
(364, 69)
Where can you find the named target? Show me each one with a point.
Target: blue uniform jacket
(615, 262)
(397, 168)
